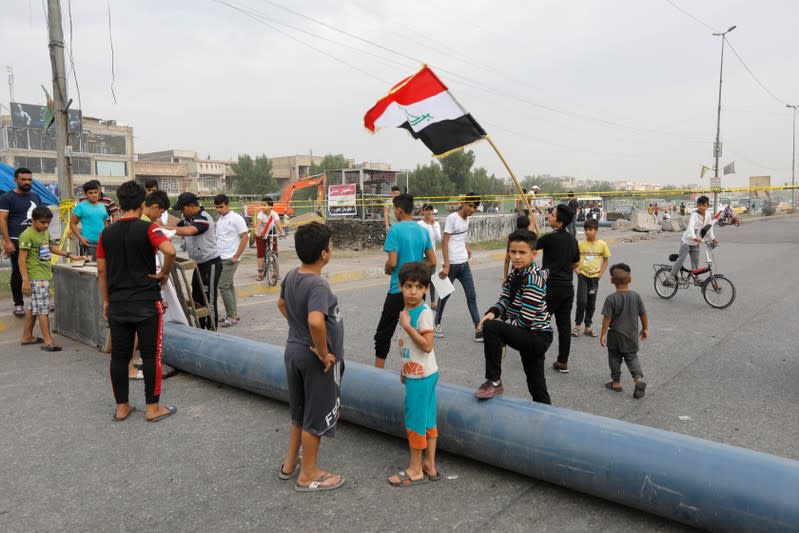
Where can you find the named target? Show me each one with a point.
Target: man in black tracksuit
(561, 254)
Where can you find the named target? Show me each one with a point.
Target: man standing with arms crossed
(232, 237)
(16, 207)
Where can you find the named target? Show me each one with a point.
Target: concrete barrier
(700, 483)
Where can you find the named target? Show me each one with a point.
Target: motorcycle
(729, 219)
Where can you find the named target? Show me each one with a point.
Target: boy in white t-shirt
(456, 253)
(419, 374)
(430, 223)
(267, 227)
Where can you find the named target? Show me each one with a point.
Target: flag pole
(515, 182)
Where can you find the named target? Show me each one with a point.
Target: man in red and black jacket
(131, 291)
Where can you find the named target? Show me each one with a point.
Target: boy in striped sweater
(520, 320)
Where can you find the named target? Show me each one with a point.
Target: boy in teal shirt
(35, 252)
(93, 218)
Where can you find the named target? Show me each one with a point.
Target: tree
(430, 180)
(457, 167)
(254, 176)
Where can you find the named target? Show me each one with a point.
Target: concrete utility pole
(717, 144)
(56, 46)
(793, 158)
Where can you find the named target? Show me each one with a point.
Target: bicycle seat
(674, 257)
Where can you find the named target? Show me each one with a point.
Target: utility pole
(60, 102)
(717, 144)
(793, 163)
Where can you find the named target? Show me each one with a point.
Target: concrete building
(182, 170)
(288, 168)
(101, 149)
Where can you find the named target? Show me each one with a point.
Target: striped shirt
(522, 300)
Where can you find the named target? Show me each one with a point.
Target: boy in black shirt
(132, 304)
(561, 254)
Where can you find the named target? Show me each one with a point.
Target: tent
(7, 184)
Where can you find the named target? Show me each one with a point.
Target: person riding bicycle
(267, 228)
(691, 238)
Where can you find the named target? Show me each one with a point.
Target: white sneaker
(438, 331)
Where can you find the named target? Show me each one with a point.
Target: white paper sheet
(443, 287)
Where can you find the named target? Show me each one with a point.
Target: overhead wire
(255, 17)
(465, 79)
(111, 43)
(71, 57)
(734, 51)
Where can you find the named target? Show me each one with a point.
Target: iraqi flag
(423, 105)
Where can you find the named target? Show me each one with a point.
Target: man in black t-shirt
(561, 255)
(16, 207)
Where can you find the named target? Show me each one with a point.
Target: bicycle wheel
(272, 268)
(661, 276)
(718, 291)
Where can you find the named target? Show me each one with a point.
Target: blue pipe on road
(698, 482)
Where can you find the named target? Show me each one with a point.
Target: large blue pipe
(700, 483)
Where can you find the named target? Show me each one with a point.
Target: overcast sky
(604, 89)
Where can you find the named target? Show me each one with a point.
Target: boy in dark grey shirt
(313, 358)
(621, 313)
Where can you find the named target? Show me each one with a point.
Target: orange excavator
(283, 205)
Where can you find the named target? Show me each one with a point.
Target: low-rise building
(179, 171)
(101, 149)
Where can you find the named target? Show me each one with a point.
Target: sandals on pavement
(37, 340)
(405, 480)
(284, 476)
(52, 347)
(640, 390)
(170, 410)
(19, 311)
(132, 410)
(316, 485)
(609, 386)
(260, 276)
(433, 477)
(589, 332)
(576, 331)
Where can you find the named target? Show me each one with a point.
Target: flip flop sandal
(132, 410)
(284, 476)
(139, 375)
(50, 348)
(170, 410)
(38, 340)
(406, 481)
(609, 386)
(19, 311)
(576, 332)
(435, 477)
(316, 485)
(590, 333)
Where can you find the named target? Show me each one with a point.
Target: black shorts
(314, 399)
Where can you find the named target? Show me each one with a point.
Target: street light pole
(793, 163)
(717, 144)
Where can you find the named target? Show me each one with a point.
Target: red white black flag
(424, 106)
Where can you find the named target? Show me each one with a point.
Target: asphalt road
(66, 466)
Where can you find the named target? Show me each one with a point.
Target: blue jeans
(462, 273)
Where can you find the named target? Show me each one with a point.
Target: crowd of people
(126, 239)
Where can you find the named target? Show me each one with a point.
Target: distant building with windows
(101, 149)
(178, 171)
